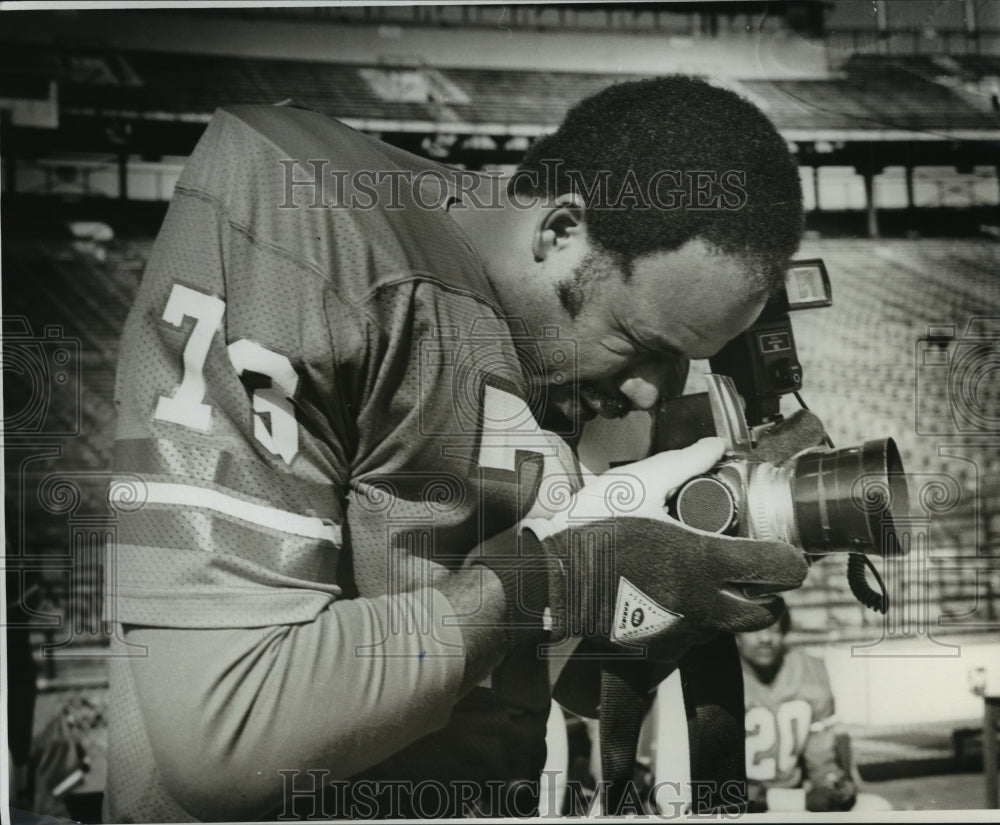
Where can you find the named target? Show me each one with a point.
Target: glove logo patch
(637, 616)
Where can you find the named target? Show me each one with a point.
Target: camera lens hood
(849, 499)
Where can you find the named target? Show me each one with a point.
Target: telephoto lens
(849, 499)
(822, 501)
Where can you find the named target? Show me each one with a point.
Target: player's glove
(578, 685)
(798, 432)
(612, 566)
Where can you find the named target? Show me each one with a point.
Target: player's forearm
(228, 709)
(820, 755)
(478, 600)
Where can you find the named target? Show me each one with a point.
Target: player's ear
(558, 224)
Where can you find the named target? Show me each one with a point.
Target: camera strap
(625, 700)
(712, 682)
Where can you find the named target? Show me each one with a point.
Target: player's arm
(819, 754)
(830, 785)
(227, 709)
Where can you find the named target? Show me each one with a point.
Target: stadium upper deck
(875, 112)
(876, 97)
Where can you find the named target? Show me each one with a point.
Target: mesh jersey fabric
(315, 403)
(787, 719)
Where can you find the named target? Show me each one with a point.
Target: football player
(349, 392)
(792, 733)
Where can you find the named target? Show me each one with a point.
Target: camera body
(821, 500)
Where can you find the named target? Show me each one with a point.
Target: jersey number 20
(774, 741)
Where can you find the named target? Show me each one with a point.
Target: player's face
(763, 648)
(633, 338)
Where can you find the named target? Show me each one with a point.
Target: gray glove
(616, 568)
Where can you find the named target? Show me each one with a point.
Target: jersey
(789, 723)
(319, 401)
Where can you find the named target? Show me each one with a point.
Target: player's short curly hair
(660, 162)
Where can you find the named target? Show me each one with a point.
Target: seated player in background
(796, 756)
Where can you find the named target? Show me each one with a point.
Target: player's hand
(798, 432)
(833, 792)
(627, 573)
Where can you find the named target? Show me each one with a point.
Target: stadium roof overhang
(158, 104)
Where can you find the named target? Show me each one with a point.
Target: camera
(958, 379)
(821, 500)
(486, 382)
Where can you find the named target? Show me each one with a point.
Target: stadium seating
(66, 296)
(864, 376)
(872, 93)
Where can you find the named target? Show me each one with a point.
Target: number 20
(274, 423)
(788, 729)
